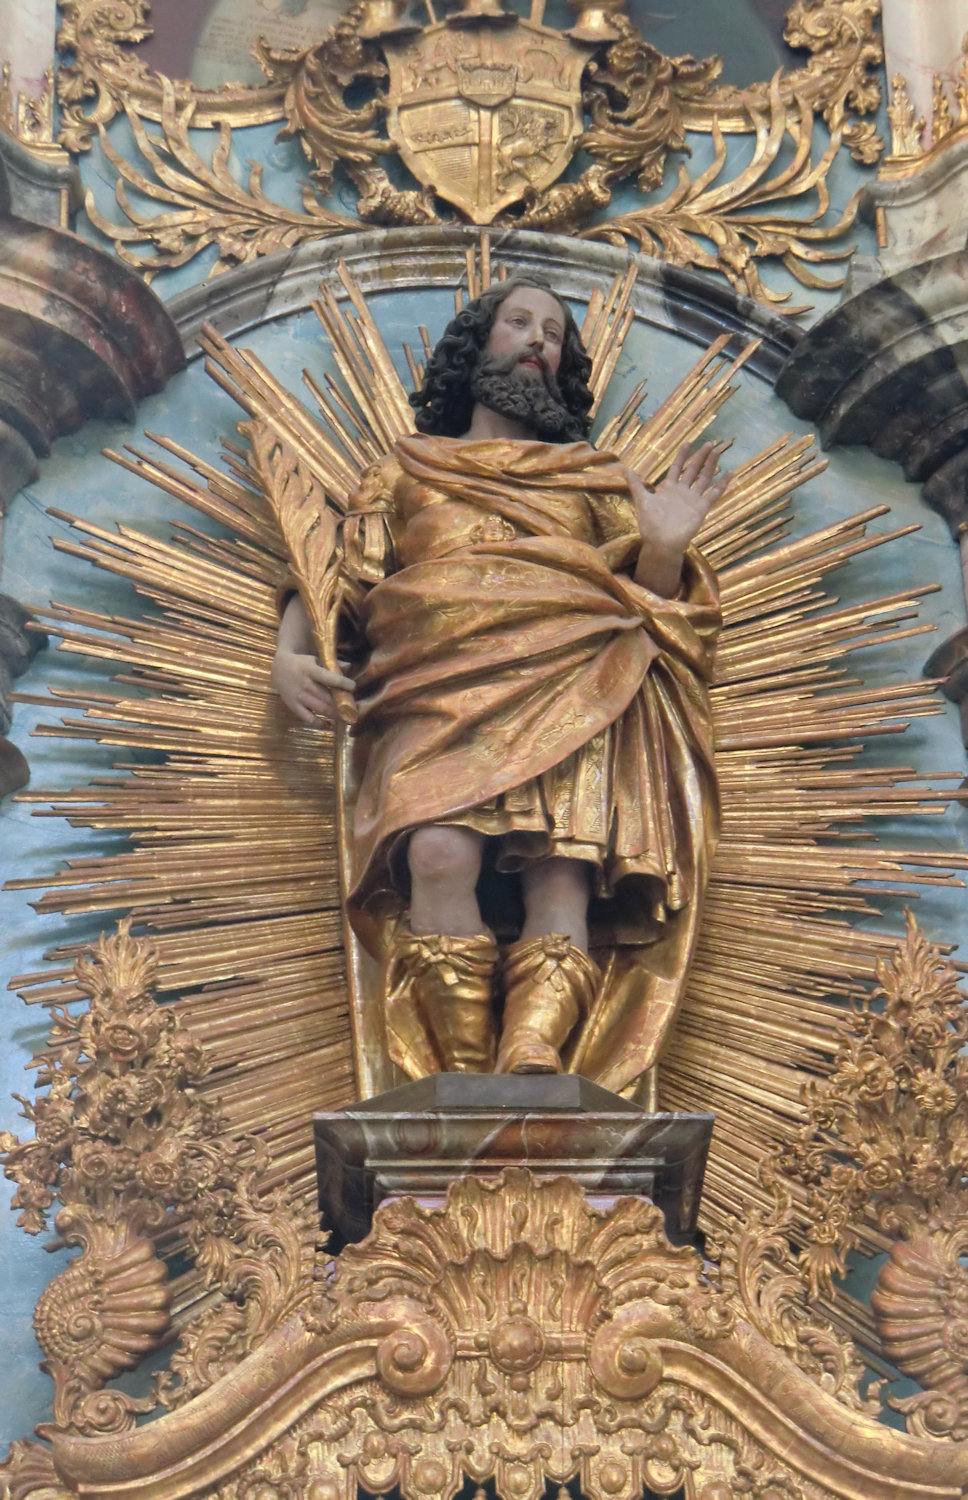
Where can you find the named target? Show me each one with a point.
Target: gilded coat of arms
(467, 110)
(485, 110)
(483, 116)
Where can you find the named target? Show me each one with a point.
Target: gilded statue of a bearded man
(537, 634)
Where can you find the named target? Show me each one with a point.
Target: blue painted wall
(192, 409)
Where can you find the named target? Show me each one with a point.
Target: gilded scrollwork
(527, 1337)
(122, 1142)
(204, 204)
(28, 1471)
(314, 82)
(728, 227)
(104, 76)
(840, 35)
(513, 1332)
(526, 1274)
(331, 132)
(886, 1142)
(842, 73)
(674, 1438)
(476, 117)
(757, 1268)
(635, 98)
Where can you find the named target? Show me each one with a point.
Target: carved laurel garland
(637, 104)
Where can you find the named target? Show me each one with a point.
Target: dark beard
(533, 400)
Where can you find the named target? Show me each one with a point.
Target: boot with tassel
(453, 984)
(549, 986)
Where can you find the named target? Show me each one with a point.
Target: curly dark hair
(444, 402)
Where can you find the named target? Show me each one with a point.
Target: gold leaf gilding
(495, 159)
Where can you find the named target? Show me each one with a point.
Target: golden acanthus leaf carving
(556, 1270)
(636, 105)
(104, 76)
(515, 1333)
(332, 132)
(131, 1154)
(757, 1268)
(842, 74)
(840, 77)
(204, 203)
(28, 1473)
(723, 226)
(105, 73)
(674, 1438)
(886, 1140)
(527, 1338)
(635, 98)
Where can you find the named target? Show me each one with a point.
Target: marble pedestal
(419, 1138)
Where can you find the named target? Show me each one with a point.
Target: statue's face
(529, 323)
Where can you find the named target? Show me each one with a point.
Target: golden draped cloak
(518, 681)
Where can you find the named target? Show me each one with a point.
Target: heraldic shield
(483, 115)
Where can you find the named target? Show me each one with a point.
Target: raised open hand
(672, 514)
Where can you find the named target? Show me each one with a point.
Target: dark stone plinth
(419, 1138)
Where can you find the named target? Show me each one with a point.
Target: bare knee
(445, 857)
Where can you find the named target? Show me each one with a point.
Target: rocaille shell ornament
(105, 1312)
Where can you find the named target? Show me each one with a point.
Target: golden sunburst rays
(231, 860)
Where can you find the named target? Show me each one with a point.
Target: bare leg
(444, 865)
(556, 896)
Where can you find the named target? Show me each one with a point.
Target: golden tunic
(518, 681)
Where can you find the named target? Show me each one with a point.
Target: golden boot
(549, 985)
(451, 981)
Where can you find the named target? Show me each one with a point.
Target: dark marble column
(18, 645)
(889, 368)
(81, 336)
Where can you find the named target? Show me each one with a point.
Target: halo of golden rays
(232, 861)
